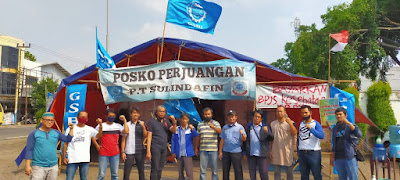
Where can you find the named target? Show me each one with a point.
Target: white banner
(290, 96)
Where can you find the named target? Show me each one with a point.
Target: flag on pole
(198, 15)
(178, 106)
(104, 61)
(346, 100)
(342, 39)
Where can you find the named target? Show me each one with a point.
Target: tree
(364, 54)
(39, 95)
(30, 56)
(378, 107)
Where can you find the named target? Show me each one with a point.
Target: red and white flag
(342, 39)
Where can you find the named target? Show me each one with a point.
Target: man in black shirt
(157, 140)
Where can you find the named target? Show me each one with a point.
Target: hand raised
(71, 126)
(265, 129)
(122, 118)
(99, 121)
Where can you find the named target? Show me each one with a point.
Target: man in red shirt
(109, 149)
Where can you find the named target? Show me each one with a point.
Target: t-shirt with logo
(307, 140)
(79, 148)
(109, 140)
(340, 141)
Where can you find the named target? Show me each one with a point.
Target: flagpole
(329, 64)
(107, 30)
(162, 39)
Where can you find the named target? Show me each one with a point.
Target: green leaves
(378, 106)
(39, 94)
(363, 55)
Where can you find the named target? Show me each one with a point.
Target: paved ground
(10, 149)
(15, 131)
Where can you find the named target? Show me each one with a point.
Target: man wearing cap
(230, 151)
(41, 149)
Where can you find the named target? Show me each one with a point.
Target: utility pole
(17, 88)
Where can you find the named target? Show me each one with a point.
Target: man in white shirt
(309, 149)
(78, 152)
(132, 148)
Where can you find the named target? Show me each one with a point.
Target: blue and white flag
(178, 106)
(199, 15)
(104, 61)
(75, 102)
(346, 100)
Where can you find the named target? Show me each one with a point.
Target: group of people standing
(259, 143)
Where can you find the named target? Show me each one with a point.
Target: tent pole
(65, 103)
(162, 40)
(180, 49)
(158, 51)
(129, 58)
(97, 82)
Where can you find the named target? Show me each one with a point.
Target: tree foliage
(30, 56)
(364, 54)
(39, 94)
(378, 106)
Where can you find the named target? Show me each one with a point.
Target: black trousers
(130, 158)
(158, 157)
(260, 163)
(236, 160)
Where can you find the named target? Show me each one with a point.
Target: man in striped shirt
(208, 141)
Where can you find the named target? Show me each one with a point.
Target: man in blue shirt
(41, 149)
(256, 147)
(182, 147)
(344, 138)
(230, 151)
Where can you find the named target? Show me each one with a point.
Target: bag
(359, 156)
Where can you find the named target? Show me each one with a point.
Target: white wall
(57, 74)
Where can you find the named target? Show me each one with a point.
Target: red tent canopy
(174, 49)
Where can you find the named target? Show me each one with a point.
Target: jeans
(130, 158)
(347, 168)
(234, 159)
(158, 157)
(310, 160)
(83, 170)
(44, 173)
(260, 163)
(289, 172)
(114, 164)
(208, 157)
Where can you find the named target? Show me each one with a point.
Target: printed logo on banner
(115, 92)
(239, 88)
(196, 12)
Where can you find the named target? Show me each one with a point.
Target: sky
(64, 31)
